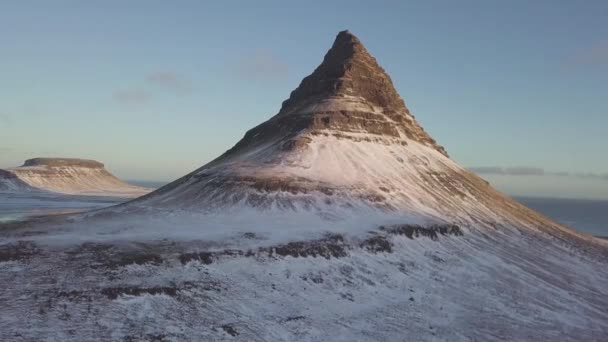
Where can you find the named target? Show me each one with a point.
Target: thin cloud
(262, 65)
(131, 97)
(171, 81)
(596, 54)
(6, 120)
(535, 171)
(511, 171)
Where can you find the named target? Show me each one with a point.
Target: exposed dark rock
(250, 235)
(110, 257)
(138, 259)
(331, 246)
(294, 318)
(20, 251)
(115, 292)
(377, 244)
(147, 338)
(208, 258)
(414, 231)
(230, 329)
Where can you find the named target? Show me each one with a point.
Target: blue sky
(155, 89)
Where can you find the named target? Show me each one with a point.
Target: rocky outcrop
(73, 176)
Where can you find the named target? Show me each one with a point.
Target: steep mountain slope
(9, 182)
(74, 176)
(338, 219)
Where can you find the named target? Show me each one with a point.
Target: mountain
(339, 218)
(343, 142)
(73, 176)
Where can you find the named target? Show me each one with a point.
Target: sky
(515, 90)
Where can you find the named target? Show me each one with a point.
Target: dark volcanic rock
(347, 69)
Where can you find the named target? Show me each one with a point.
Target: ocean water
(587, 216)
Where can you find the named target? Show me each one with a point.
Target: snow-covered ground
(258, 281)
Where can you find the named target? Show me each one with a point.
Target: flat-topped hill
(73, 176)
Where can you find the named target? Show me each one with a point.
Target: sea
(587, 216)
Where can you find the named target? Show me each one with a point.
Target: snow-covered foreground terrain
(247, 282)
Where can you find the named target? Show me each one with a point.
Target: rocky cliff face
(73, 176)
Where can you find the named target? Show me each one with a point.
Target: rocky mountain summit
(72, 176)
(347, 93)
(337, 219)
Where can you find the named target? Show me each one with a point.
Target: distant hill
(72, 176)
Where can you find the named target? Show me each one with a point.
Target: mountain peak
(344, 130)
(348, 69)
(349, 91)
(347, 44)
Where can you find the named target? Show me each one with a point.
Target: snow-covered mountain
(73, 176)
(338, 219)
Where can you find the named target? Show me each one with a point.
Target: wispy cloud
(6, 120)
(535, 171)
(596, 54)
(171, 81)
(512, 171)
(144, 92)
(262, 65)
(131, 97)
